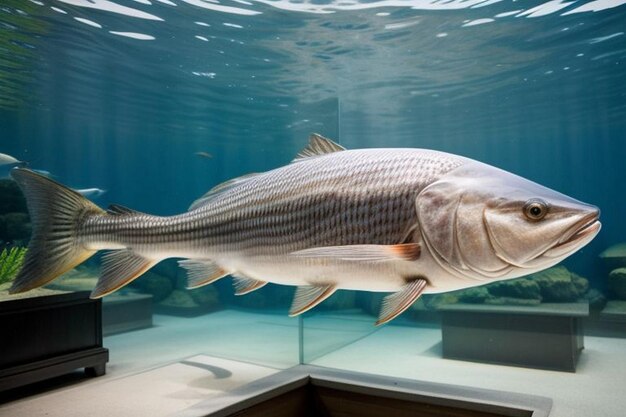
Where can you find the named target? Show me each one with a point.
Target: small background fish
(204, 154)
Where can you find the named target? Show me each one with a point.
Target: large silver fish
(406, 221)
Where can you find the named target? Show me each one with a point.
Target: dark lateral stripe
(347, 224)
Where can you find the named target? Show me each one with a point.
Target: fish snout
(588, 225)
(581, 233)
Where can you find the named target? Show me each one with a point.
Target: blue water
(120, 95)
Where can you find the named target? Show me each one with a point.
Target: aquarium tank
(148, 104)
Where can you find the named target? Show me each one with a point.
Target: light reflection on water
(392, 52)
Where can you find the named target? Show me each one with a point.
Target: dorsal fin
(117, 210)
(219, 189)
(318, 145)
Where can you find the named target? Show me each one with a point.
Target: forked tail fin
(56, 213)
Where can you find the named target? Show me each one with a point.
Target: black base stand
(44, 337)
(548, 336)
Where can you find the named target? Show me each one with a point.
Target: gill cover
(451, 220)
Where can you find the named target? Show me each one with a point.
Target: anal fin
(309, 296)
(202, 272)
(395, 304)
(120, 268)
(245, 285)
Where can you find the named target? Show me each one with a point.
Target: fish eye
(535, 209)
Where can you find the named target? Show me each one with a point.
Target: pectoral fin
(202, 272)
(244, 285)
(120, 268)
(368, 253)
(308, 297)
(395, 304)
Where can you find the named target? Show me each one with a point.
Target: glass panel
(340, 320)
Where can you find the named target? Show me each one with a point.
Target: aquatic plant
(10, 263)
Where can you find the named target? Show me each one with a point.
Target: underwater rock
(581, 284)
(475, 295)
(596, 299)
(552, 285)
(205, 296)
(518, 292)
(513, 301)
(558, 285)
(180, 281)
(168, 268)
(615, 256)
(155, 284)
(522, 288)
(617, 283)
(435, 301)
(180, 299)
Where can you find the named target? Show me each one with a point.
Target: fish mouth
(580, 235)
(589, 224)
